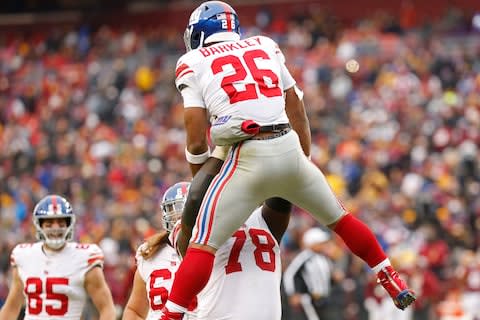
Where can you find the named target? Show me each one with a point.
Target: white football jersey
(245, 281)
(54, 282)
(158, 273)
(244, 79)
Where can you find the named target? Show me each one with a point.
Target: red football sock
(191, 277)
(360, 240)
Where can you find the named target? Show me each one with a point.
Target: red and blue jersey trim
(208, 208)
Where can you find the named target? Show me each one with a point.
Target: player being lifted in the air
(246, 91)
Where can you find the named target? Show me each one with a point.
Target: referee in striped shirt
(307, 279)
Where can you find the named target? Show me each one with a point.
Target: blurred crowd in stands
(93, 114)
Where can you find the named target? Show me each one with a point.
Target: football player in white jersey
(247, 269)
(249, 260)
(253, 103)
(54, 276)
(157, 261)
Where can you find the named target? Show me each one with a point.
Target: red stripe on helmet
(184, 188)
(228, 16)
(54, 204)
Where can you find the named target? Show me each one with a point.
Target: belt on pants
(274, 127)
(267, 135)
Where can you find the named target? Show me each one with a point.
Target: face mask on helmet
(50, 209)
(54, 237)
(212, 21)
(173, 203)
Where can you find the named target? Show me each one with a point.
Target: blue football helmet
(173, 202)
(50, 207)
(212, 21)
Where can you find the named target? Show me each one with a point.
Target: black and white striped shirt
(309, 274)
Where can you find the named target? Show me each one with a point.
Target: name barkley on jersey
(230, 46)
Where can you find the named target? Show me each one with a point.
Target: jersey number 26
(266, 80)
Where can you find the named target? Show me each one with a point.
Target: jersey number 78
(261, 248)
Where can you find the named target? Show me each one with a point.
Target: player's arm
(197, 191)
(196, 125)
(276, 213)
(195, 115)
(98, 290)
(153, 244)
(13, 304)
(137, 305)
(297, 115)
(294, 106)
